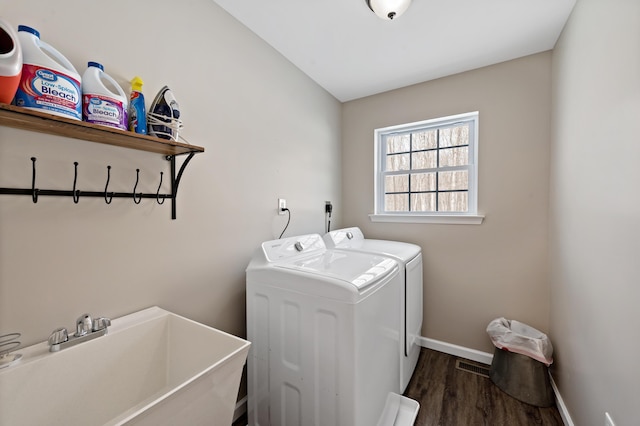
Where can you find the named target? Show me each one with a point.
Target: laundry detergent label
(49, 90)
(104, 110)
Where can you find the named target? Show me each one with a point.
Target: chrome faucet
(86, 329)
(84, 325)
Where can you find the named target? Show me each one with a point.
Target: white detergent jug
(49, 82)
(10, 62)
(100, 105)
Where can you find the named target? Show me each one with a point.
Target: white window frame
(469, 217)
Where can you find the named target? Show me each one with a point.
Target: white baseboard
(564, 413)
(486, 358)
(451, 349)
(241, 408)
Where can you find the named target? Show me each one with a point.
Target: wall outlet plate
(282, 204)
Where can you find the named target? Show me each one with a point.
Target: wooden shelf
(22, 118)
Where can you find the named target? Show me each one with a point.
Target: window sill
(437, 219)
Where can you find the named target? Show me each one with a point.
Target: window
(426, 171)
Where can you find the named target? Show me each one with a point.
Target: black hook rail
(108, 196)
(77, 194)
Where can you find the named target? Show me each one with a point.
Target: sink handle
(59, 335)
(101, 323)
(84, 325)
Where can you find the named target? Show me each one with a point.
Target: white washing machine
(409, 258)
(324, 327)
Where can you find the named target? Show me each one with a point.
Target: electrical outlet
(608, 421)
(282, 204)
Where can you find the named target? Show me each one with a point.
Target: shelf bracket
(175, 179)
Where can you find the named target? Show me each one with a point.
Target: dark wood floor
(452, 397)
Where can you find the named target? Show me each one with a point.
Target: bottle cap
(95, 64)
(29, 30)
(136, 84)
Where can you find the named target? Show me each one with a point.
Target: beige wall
(594, 234)
(268, 131)
(472, 273)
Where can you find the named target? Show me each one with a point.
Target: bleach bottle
(49, 82)
(99, 104)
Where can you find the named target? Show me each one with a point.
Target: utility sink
(152, 368)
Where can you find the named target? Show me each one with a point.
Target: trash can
(521, 360)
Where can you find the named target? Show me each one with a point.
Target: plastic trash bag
(517, 337)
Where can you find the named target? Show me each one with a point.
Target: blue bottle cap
(95, 64)
(29, 30)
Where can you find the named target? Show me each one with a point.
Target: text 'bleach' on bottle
(100, 105)
(49, 82)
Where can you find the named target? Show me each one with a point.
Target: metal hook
(158, 193)
(76, 192)
(108, 200)
(137, 201)
(34, 190)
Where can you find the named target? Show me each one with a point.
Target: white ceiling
(352, 53)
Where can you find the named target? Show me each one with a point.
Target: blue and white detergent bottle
(49, 82)
(137, 111)
(100, 105)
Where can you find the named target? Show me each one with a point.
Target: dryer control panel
(292, 246)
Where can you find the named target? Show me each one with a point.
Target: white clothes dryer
(324, 327)
(409, 258)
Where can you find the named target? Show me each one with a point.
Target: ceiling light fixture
(388, 9)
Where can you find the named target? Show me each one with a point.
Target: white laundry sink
(152, 368)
